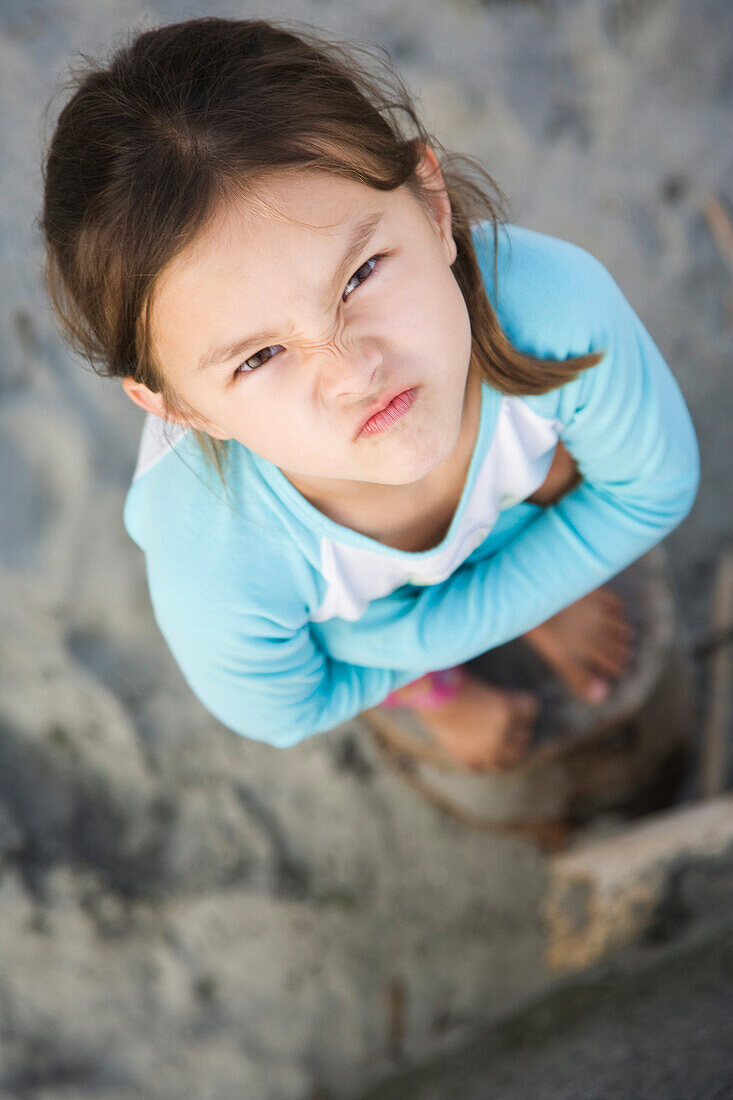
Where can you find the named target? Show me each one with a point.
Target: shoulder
(553, 298)
(211, 549)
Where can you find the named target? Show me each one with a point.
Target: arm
(250, 658)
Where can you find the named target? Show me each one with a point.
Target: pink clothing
(430, 691)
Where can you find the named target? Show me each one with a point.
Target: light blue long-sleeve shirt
(285, 623)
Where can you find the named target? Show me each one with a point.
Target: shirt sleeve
(243, 644)
(626, 424)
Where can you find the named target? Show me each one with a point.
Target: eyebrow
(363, 232)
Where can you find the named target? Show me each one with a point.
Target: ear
(155, 404)
(152, 402)
(432, 179)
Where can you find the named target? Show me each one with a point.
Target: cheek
(447, 325)
(434, 316)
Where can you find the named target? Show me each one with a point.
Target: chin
(412, 472)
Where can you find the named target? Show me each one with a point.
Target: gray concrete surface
(644, 1029)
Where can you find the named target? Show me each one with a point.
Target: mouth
(388, 411)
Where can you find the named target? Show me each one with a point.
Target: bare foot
(587, 644)
(485, 727)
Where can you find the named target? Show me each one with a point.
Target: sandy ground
(607, 123)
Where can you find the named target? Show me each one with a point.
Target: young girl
(386, 429)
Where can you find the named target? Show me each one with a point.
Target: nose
(349, 370)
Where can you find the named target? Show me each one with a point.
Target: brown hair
(187, 115)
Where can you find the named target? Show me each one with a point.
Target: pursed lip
(379, 406)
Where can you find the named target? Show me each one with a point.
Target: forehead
(288, 211)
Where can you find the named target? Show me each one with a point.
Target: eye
(372, 259)
(375, 260)
(256, 355)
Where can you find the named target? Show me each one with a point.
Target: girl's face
(281, 341)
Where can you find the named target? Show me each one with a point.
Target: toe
(596, 690)
(610, 659)
(527, 705)
(588, 685)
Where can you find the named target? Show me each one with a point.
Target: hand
(562, 476)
